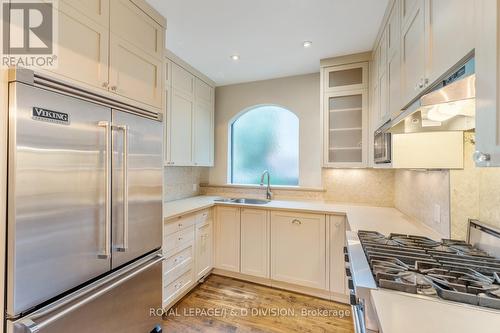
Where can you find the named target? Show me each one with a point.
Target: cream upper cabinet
(407, 8)
(204, 92)
(394, 86)
(344, 104)
(203, 124)
(298, 249)
(435, 36)
(113, 48)
(135, 74)
(180, 130)
(413, 52)
(345, 77)
(97, 10)
(136, 54)
(203, 134)
(190, 117)
(182, 80)
(383, 85)
(487, 84)
(337, 242)
(83, 59)
(452, 34)
(383, 80)
(255, 242)
(393, 30)
(204, 246)
(132, 24)
(227, 238)
(346, 128)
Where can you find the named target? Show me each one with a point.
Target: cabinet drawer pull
(180, 225)
(295, 221)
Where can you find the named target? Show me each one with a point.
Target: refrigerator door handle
(30, 324)
(107, 179)
(125, 130)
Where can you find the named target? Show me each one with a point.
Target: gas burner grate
(450, 269)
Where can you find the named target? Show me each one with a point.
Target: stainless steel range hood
(449, 106)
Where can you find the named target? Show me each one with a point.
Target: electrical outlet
(195, 187)
(437, 214)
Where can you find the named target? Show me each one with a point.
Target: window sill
(276, 187)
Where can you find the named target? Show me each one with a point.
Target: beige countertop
(382, 219)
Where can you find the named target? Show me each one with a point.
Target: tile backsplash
(364, 186)
(475, 193)
(418, 193)
(182, 182)
(359, 186)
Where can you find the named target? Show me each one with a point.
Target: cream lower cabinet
(188, 252)
(298, 249)
(179, 253)
(255, 242)
(337, 227)
(227, 238)
(204, 244)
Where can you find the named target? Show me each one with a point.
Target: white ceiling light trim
(307, 44)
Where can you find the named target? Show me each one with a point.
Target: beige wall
(178, 182)
(299, 94)
(417, 192)
(475, 193)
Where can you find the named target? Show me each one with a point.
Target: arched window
(265, 138)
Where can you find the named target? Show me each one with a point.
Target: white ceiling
(267, 34)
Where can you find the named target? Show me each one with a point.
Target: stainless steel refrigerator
(84, 213)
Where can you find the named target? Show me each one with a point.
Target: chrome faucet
(269, 194)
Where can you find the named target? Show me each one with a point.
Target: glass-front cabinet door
(345, 121)
(345, 77)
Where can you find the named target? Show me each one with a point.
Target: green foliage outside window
(265, 138)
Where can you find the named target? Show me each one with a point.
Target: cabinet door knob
(105, 84)
(480, 157)
(296, 221)
(114, 88)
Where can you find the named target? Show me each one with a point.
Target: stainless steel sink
(245, 201)
(251, 201)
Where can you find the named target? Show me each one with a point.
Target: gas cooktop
(451, 269)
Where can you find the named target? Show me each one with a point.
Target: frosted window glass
(265, 138)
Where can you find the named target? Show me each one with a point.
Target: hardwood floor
(227, 305)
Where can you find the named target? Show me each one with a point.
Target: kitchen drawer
(203, 217)
(178, 258)
(180, 223)
(173, 289)
(178, 271)
(179, 238)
